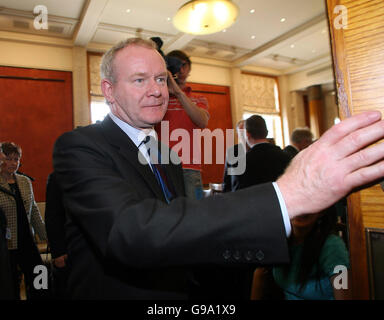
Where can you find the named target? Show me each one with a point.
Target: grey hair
(300, 134)
(106, 68)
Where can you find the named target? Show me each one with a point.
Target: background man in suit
(54, 224)
(238, 150)
(125, 241)
(301, 138)
(265, 162)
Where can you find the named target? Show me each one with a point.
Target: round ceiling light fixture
(205, 16)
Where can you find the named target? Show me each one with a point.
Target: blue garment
(333, 253)
(193, 184)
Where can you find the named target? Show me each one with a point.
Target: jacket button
(226, 254)
(259, 255)
(237, 255)
(248, 255)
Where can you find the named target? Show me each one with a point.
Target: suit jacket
(8, 205)
(125, 242)
(6, 285)
(291, 151)
(55, 217)
(265, 162)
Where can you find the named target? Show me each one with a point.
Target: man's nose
(154, 88)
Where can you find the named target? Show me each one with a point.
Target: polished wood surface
(35, 108)
(358, 54)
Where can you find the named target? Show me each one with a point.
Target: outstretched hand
(334, 165)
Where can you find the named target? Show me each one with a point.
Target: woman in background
(18, 204)
(315, 251)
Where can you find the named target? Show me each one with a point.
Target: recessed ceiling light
(168, 19)
(253, 37)
(225, 30)
(292, 46)
(313, 50)
(323, 31)
(282, 19)
(252, 11)
(128, 10)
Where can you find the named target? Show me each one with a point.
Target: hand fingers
(365, 158)
(359, 139)
(349, 125)
(365, 175)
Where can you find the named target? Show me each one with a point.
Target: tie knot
(152, 147)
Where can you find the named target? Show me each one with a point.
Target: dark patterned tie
(158, 170)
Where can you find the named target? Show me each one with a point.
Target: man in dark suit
(127, 240)
(265, 162)
(301, 138)
(233, 153)
(54, 224)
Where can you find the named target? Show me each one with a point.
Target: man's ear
(107, 89)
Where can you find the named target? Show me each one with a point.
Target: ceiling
(283, 36)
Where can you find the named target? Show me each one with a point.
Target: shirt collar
(136, 135)
(251, 146)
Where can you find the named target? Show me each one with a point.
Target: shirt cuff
(284, 211)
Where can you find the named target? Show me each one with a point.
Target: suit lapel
(129, 151)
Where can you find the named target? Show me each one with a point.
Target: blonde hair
(106, 68)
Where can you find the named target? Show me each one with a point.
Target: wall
(320, 74)
(13, 54)
(210, 72)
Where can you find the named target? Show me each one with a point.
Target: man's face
(140, 94)
(183, 74)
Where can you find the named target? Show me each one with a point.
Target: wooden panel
(373, 204)
(358, 53)
(35, 108)
(220, 118)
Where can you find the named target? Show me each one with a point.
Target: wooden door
(357, 38)
(35, 108)
(220, 118)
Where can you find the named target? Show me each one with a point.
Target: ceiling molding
(35, 39)
(319, 61)
(89, 21)
(281, 40)
(133, 31)
(21, 21)
(179, 41)
(98, 47)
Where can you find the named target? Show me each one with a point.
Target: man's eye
(139, 80)
(162, 80)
